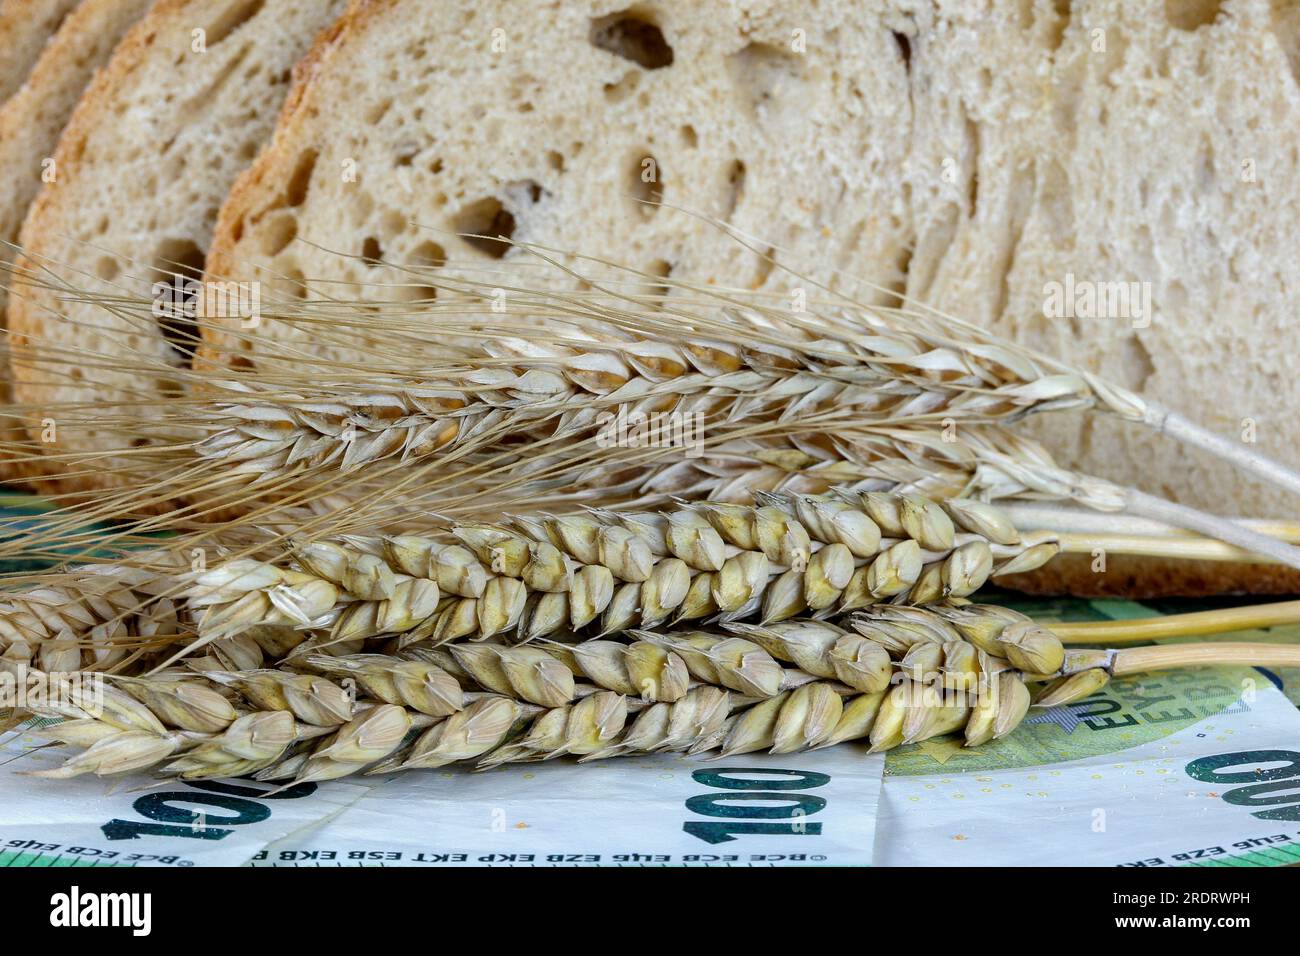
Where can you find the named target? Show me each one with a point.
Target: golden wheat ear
(568, 360)
(272, 439)
(1101, 394)
(890, 676)
(258, 597)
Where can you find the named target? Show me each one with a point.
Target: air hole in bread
(663, 269)
(485, 225)
(279, 232)
(759, 71)
(898, 286)
(766, 263)
(179, 264)
(178, 257)
(291, 284)
(371, 251)
(647, 184)
(618, 92)
(633, 35)
(1137, 364)
(416, 293)
(973, 186)
(231, 19)
(295, 190)
(689, 136)
(428, 255)
(555, 160)
(106, 268)
(1191, 14)
(1060, 20)
(904, 49)
(735, 188)
(170, 388)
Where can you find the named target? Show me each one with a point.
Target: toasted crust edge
(1128, 576)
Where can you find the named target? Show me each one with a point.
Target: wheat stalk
(900, 675)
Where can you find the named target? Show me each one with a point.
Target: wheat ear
(777, 560)
(566, 391)
(545, 577)
(95, 620)
(901, 675)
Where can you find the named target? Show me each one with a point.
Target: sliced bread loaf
(978, 156)
(184, 104)
(30, 123)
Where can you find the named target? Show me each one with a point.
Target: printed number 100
(754, 805)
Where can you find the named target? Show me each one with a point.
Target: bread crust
(1128, 576)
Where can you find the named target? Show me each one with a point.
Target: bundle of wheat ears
(451, 532)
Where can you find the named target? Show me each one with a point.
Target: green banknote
(1197, 767)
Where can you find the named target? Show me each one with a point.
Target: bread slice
(1165, 158)
(144, 164)
(1160, 149)
(25, 26)
(551, 123)
(30, 123)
